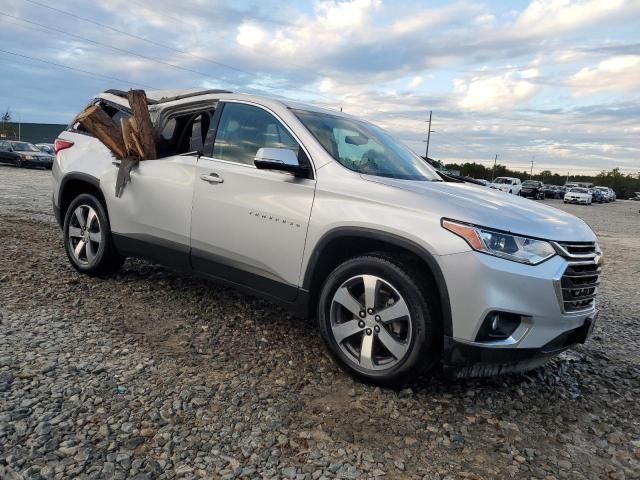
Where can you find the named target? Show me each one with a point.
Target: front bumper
(529, 193)
(576, 200)
(37, 162)
(462, 360)
(480, 284)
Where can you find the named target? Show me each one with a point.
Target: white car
(327, 214)
(507, 184)
(578, 195)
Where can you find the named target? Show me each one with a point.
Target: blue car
(598, 196)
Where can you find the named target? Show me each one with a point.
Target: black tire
(423, 350)
(18, 163)
(106, 260)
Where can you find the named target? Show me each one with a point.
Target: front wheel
(18, 163)
(377, 319)
(87, 237)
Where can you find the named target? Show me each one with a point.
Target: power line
(86, 72)
(117, 49)
(168, 47)
(137, 37)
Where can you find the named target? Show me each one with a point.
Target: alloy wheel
(84, 234)
(371, 322)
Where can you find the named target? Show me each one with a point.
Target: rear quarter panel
(87, 155)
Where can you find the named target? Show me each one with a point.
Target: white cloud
(250, 35)
(334, 15)
(620, 73)
(491, 92)
(415, 82)
(485, 20)
(554, 16)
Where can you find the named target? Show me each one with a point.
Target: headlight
(29, 157)
(503, 245)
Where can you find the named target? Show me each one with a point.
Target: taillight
(61, 144)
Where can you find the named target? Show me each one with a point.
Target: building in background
(31, 132)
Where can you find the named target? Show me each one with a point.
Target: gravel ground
(148, 374)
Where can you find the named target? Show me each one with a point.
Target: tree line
(625, 186)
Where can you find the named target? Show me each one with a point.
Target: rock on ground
(149, 374)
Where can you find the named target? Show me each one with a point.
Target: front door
(249, 226)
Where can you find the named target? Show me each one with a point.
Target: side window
(115, 113)
(244, 129)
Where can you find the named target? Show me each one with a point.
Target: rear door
(249, 226)
(152, 217)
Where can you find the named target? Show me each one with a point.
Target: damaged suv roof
(160, 99)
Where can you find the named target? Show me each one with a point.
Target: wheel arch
(74, 184)
(343, 243)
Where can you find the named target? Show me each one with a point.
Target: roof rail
(195, 93)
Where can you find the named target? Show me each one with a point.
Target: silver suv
(330, 216)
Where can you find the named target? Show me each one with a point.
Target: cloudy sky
(554, 80)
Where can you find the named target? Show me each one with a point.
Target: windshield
(503, 180)
(24, 147)
(602, 189)
(530, 183)
(365, 148)
(579, 190)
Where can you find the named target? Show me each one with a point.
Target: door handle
(212, 178)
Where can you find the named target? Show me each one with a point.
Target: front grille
(579, 283)
(579, 286)
(578, 248)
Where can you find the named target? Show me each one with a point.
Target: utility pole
(428, 134)
(532, 158)
(495, 161)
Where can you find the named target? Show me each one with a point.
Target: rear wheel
(87, 237)
(377, 320)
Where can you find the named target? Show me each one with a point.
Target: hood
(494, 209)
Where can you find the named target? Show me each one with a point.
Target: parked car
(7, 154)
(598, 196)
(578, 195)
(507, 184)
(549, 190)
(330, 216)
(606, 195)
(533, 189)
(612, 195)
(560, 191)
(482, 181)
(24, 154)
(45, 147)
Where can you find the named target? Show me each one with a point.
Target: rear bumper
(463, 360)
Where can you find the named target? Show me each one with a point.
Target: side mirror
(282, 159)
